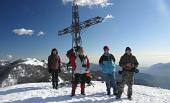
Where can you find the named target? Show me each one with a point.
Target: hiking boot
(53, 86)
(83, 93)
(108, 92)
(73, 90)
(56, 87)
(72, 95)
(115, 93)
(82, 86)
(117, 97)
(130, 97)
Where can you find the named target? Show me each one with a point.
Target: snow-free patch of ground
(43, 93)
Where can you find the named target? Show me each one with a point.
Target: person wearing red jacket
(80, 65)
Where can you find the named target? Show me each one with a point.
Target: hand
(87, 71)
(49, 70)
(120, 72)
(84, 65)
(136, 70)
(59, 70)
(129, 66)
(132, 65)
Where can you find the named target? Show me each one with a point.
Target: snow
(43, 93)
(45, 61)
(3, 62)
(33, 61)
(9, 81)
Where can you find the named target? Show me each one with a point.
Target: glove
(87, 69)
(120, 72)
(136, 70)
(49, 70)
(59, 70)
(84, 65)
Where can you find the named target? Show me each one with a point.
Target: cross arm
(85, 24)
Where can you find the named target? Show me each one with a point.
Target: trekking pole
(92, 84)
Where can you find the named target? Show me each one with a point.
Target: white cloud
(40, 33)
(102, 3)
(109, 16)
(23, 31)
(162, 7)
(9, 56)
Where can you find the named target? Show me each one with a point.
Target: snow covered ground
(43, 93)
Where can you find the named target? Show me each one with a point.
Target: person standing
(107, 63)
(80, 68)
(54, 67)
(129, 64)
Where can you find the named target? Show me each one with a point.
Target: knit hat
(105, 47)
(54, 49)
(128, 48)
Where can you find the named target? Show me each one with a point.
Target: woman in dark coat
(54, 67)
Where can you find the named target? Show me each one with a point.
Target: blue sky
(141, 24)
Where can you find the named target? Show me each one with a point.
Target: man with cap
(129, 65)
(107, 63)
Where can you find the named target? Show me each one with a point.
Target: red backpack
(71, 56)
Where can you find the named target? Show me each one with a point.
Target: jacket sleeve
(136, 62)
(88, 63)
(113, 58)
(122, 63)
(59, 62)
(49, 62)
(101, 60)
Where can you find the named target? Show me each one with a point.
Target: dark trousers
(55, 79)
(79, 78)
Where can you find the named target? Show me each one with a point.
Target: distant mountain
(141, 78)
(4, 62)
(27, 70)
(160, 72)
(146, 79)
(160, 69)
(32, 70)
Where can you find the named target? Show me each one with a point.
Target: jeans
(110, 81)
